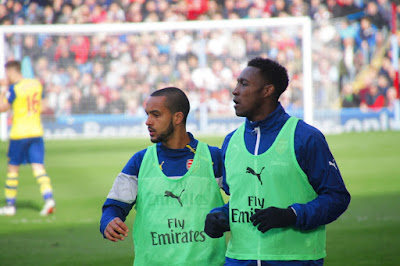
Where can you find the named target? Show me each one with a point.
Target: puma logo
(251, 171)
(172, 195)
(333, 163)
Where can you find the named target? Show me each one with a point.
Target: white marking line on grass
(33, 221)
(377, 218)
(49, 220)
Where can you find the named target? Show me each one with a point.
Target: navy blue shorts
(23, 151)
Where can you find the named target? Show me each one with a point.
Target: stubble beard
(164, 136)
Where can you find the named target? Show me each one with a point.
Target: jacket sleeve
(316, 160)
(123, 193)
(217, 164)
(112, 209)
(225, 186)
(224, 209)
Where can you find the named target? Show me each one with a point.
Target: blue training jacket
(174, 164)
(315, 159)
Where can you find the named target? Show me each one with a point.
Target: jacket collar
(178, 152)
(273, 121)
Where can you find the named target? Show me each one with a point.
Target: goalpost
(203, 39)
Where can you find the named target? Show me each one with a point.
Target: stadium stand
(114, 74)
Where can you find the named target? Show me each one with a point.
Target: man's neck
(263, 113)
(17, 79)
(178, 140)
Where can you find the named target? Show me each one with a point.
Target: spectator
(387, 69)
(89, 102)
(298, 8)
(217, 43)
(376, 17)
(228, 8)
(133, 108)
(177, 56)
(33, 14)
(134, 13)
(57, 9)
(382, 83)
(91, 4)
(365, 38)
(4, 15)
(237, 46)
(48, 15)
(79, 46)
(16, 11)
(76, 3)
(391, 97)
(98, 15)
(66, 15)
(102, 106)
(81, 14)
(65, 58)
(195, 8)
(31, 47)
(372, 98)
(115, 13)
(278, 8)
(76, 100)
(348, 58)
(332, 6)
(350, 99)
(385, 10)
(214, 10)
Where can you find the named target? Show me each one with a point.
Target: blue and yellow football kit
(26, 136)
(26, 143)
(26, 100)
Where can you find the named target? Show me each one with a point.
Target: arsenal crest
(189, 163)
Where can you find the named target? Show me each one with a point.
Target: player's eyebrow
(153, 112)
(243, 79)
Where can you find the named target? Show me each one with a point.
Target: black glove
(273, 217)
(216, 224)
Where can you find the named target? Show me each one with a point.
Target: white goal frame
(60, 29)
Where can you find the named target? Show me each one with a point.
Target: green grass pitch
(82, 172)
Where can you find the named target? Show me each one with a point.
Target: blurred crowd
(114, 73)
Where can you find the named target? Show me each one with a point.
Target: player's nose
(235, 91)
(148, 121)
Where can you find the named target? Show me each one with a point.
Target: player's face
(247, 93)
(159, 119)
(9, 75)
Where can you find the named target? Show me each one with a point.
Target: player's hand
(216, 224)
(272, 217)
(116, 230)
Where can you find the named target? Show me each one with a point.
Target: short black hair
(273, 73)
(177, 100)
(13, 64)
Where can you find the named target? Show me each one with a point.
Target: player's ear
(178, 118)
(269, 90)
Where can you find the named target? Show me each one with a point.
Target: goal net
(97, 77)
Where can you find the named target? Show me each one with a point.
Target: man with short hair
(283, 181)
(174, 183)
(26, 136)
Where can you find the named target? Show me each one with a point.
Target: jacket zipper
(257, 129)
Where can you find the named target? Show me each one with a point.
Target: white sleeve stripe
(219, 181)
(124, 189)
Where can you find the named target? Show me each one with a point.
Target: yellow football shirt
(26, 100)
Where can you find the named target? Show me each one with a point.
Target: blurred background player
(172, 184)
(26, 141)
